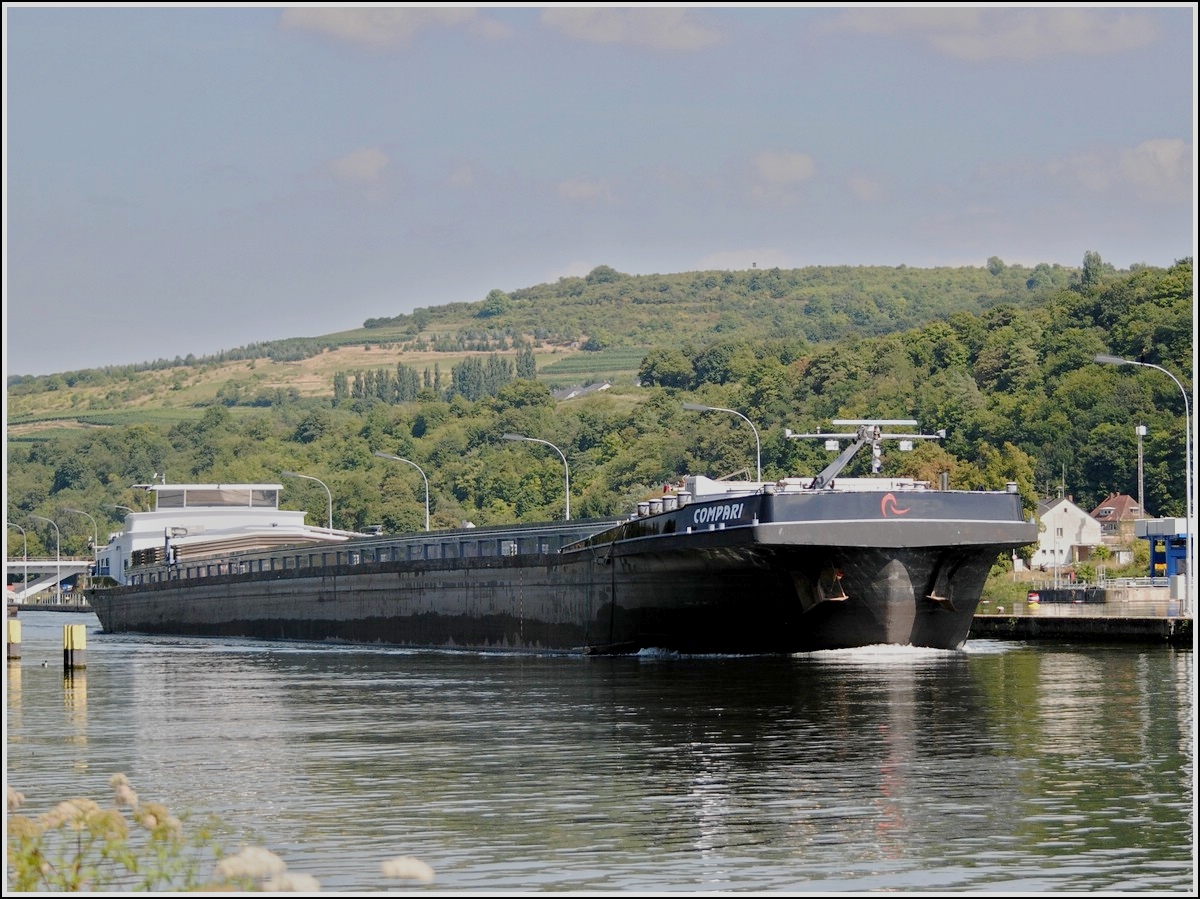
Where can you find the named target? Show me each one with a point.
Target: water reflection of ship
(832, 737)
(848, 742)
(842, 768)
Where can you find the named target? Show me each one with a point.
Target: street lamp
(95, 532)
(1141, 432)
(1187, 450)
(57, 555)
(557, 450)
(383, 455)
(24, 557)
(698, 407)
(293, 474)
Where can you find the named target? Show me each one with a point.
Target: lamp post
(383, 455)
(293, 474)
(24, 558)
(1056, 530)
(560, 453)
(1187, 474)
(1141, 432)
(698, 407)
(95, 532)
(57, 555)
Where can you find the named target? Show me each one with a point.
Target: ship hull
(761, 575)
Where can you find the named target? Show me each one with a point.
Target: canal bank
(1175, 631)
(1111, 613)
(49, 607)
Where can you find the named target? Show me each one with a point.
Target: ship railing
(1134, 582)
(1105, 582)
(1159, 606)
(497, 541)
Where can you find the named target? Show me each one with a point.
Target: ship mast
(868, 431)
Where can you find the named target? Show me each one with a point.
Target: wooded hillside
(1001, 357)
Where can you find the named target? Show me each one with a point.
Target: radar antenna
(868, 431)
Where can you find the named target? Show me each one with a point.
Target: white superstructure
(195, 521)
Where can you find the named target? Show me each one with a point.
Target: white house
(1068, 534)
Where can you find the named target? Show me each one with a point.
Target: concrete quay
(1175, 631)
(48, 607)
(1089, 614)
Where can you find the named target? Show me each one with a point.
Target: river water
(1005, 767)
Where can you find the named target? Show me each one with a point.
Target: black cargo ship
(796, 565)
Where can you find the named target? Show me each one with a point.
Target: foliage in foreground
(133, 845)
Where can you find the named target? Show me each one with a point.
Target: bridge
(40, 574)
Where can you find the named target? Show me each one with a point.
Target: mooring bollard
(13, 637)
(74, 646)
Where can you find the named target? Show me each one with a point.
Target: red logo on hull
(889, 506)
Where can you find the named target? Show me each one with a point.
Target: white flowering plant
(81, 846)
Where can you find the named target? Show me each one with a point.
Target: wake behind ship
(794, 565)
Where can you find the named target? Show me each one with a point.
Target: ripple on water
(1004, 766)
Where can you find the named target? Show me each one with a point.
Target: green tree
(497, 303)
(526, 364)
(1094, 270)
(603, 274)
(666, 368)
(314, 426)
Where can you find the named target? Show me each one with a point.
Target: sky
(188, 179)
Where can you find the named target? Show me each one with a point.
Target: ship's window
(219, 497)
(169, 499)
(259, 498)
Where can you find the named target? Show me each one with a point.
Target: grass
(171, 395)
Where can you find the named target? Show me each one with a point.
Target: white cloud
(869, 190)
(1159, 168)
(1156, 170)
(784, 168)
(660, 29)
(385, 27)
(579, 191)
(978, 34)
(361, 166)
(1084, 170)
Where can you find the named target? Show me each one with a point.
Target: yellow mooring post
(74, 646)
(13, 637)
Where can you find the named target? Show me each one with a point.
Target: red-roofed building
(1117, 514)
